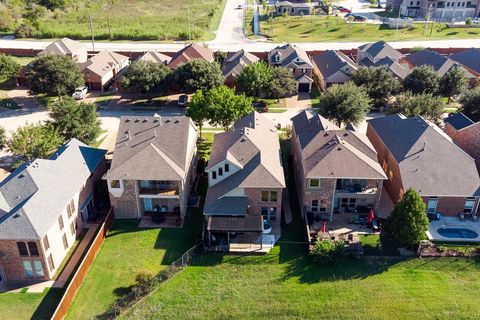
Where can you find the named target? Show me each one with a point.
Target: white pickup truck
(80, 93)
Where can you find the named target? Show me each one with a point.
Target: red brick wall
(450, 206)
(12, 261)
(468, 139)
(254, 196)
(394, 184)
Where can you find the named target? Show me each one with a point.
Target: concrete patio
(454, 223)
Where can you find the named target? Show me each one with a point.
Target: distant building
(155, 56)
(332, 67)
(465, 133)
(439, 10)
(293, 8)
(190, 52)
(101, 70)
(233, 65)
(67, 47)
(297, 61)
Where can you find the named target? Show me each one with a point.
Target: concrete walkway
(76, 257)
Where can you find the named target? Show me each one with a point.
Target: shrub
(143, 277)
(328, 251)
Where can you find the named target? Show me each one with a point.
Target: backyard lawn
(127, 251)
(322, 28)
(37, 306)
(133, 20)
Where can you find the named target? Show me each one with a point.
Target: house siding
(254, 196)
(11, 262)
(127, 206)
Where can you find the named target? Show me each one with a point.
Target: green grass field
(134, 20)
(322, 28)
(127, 251)
(39, 306)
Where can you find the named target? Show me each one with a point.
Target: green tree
(470, 101)
(225, 107)
(282, 84)
(426, 105)
(379, 83)
(407, 224)
(76, 120)
(145, 77)
(422, 80)
(198, 74)
(346, 103)
(254, 79)
(198, 110)
(9, 68)
(54, 75)
(35, 141)
(3, 138)
(453, 82)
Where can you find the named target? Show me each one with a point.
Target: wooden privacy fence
(77, 279)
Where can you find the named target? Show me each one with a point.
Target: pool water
(457, 233)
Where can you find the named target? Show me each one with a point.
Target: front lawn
(127, 251)
(323, 28)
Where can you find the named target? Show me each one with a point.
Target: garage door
(303, 87)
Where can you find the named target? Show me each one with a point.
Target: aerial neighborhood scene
(239, 159)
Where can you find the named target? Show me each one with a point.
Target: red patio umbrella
(324, 227)
(371, 216)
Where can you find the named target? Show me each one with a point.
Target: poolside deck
(453, 222)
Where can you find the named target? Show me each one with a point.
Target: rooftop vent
(177, 121)
(137, 120)
(167, 121)
(127, 120)
(144, 120)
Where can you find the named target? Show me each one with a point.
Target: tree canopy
(379, 83)
(254, 79)
(35, 141)
(346, 103)
(199, 74)
(55, 75)
(3, 138)
(282, 83)
(76, 120)
(426, 105)
(145, 77)
(422, 80)
(220, 106)
(453, 82)
(470, 101)
(407, 224)
(9, 68)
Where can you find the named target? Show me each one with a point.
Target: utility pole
(91, 30)
(189, 29)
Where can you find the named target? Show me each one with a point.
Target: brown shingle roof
(190, 52)
(250, 223)
(236, 61)
(330, 152)
(104, 62)
(155, 148)
(156, 57)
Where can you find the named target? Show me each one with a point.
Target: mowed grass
(127, 251)
(19, 306)
(134, 20)
(278, 287)
(322, 28)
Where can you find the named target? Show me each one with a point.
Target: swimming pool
(458, 233)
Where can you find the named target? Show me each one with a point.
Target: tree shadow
(49, 303)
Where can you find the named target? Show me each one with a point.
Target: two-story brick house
(297, 61)
(417, 154)
(44, 204)
(153, 166)
(465, 133)
(336, 169)
(245, 182)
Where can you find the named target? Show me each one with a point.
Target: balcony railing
(370, 187)
(160, 191)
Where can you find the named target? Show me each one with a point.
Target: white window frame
(432, 209)
(147, 204)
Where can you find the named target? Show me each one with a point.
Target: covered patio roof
(248, 223)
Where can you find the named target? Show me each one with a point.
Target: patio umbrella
(371, 216)
(324, 227)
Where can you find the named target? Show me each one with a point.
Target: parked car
(239, 6)
(344, 10)
(182, 100)
(80, 93)
(356, 17)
